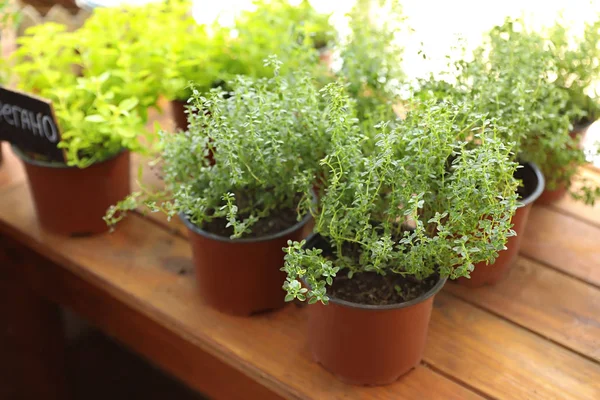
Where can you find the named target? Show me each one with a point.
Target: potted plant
(120, 41)
(391, 227)
(190, 52)
(243, 205)
(372, 56)
(97, 135)
(295, 33)
(516, 75)
(509, 79)
(577, 67)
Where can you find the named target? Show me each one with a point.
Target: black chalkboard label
(29, 123)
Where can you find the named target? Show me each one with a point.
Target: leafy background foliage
(514, 77)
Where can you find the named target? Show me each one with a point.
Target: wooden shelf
(535, 335)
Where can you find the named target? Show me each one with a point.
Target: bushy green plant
(93, 126)
(191, 52)
(371, 56)
(449, 176)
(578, 67)
(292, 32)
(244, 158)
(512, 78)
(120, 41)
(124, 42)
(45, 59)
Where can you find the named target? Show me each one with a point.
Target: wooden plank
(564, 243)
(545, 301)
(510, 363)
(569, 206)
(31, 339)
(178, 356)
(150, 271)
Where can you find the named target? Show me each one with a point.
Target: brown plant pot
(369, 345)
(241, 276)
(550, 196)
(179, 115)
(485, 274)
(72, 201)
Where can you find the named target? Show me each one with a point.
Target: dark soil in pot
(375, 342)
(72, 201)
(529, 192)
(243, 276)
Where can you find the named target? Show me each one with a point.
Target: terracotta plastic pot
(179, 115)
(72, 201)
(549, 196)
(490, 274)
(241, 276)
(366, 344)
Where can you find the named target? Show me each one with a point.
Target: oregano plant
(434, 199)
(93, 126)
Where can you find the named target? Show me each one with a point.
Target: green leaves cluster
(515, 77)
(435, 197)
(94, 126)
(246, 155)
(372, 56)
(577, 61)
(295, 33)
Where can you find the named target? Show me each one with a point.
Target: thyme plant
(246, 158)
(512, 77)
(578, 66)
(293, 32)
(371, 56)
(443, 169)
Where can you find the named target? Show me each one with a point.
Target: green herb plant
(45, 59)
(512, 78)
(577, 60)
(443, 169)
(371, 57)
(93, 126)
(244, 158)
(294, 33)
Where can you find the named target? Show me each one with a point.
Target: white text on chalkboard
(38, 124)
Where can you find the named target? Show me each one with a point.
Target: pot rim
(541, 184)
(430, 293)
(57, 164)
(194, 228)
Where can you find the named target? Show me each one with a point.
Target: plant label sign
(28, 122)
